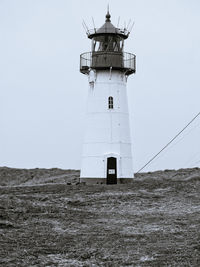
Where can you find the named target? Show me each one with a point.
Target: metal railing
(85, 62)
(100, 60)
(129, 60)
(116, 31)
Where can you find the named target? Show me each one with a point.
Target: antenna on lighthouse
(118, 22)
(108, 8)
(132, 26)
(93, 24)
(128, 24)
(85, 27)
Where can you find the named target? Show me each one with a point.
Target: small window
(110, 102)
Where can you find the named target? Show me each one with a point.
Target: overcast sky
(43, 94)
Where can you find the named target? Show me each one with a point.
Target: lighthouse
(106, 155)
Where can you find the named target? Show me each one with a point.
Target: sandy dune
(13, 177)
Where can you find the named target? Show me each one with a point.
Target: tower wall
(107, 132)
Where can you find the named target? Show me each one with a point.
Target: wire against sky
(168, 143)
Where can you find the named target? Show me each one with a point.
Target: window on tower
(107, 44)
(110, 102)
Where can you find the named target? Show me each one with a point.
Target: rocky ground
(48, 219)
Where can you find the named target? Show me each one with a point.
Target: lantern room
(107, 38)
(108, 50)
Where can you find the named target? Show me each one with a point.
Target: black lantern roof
(108, 28)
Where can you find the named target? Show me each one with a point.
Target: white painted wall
(107, 131)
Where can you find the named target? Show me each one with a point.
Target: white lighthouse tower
(106, 157)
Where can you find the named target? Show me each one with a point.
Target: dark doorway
(111, 170)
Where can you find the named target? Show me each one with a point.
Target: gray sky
(43, 95)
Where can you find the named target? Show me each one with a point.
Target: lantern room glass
(107, 43)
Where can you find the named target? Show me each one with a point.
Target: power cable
(168, 144)
(179, 140)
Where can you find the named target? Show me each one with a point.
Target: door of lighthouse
(111, 170)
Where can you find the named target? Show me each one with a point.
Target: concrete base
(104, 180)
